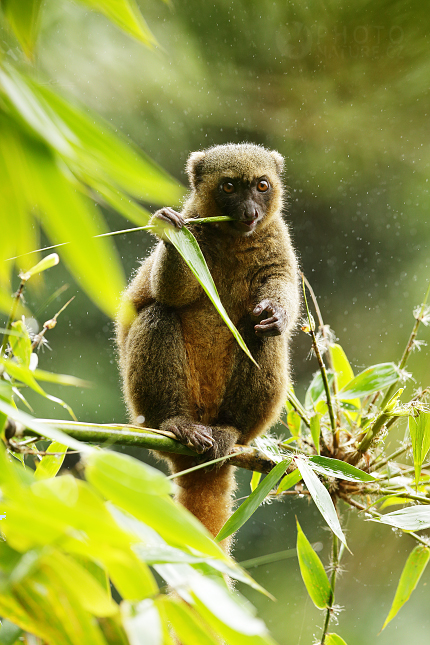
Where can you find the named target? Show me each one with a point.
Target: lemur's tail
(208, 495)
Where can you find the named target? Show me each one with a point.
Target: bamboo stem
(128, 435)
(322, 370)
(335, 567)
(408, 349)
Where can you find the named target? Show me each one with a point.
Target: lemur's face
(246, 201)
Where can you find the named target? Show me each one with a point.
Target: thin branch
(15, 304)
(408, 348)
(335, 559)
(322, 368)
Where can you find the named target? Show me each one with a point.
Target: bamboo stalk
(128, 435)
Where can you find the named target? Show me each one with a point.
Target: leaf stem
(15, 304)
(322, 368)
(291, 397)
(397, 453)
(371, 434)
(335, 568)
(408, 348)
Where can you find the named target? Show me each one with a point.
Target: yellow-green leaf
(250, 505)
(341, 366)
(313, 573)
(334, 639)
(374, 378)
(255, 480)
(411, 574)
(419, 429)
(47, 263)
(321, 497)
(289, 481)
(294, 423)
(316, 431)
(24, 18)
(125, 14)
(51, 464)
(21, 345)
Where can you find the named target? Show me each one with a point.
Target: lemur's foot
(193, 435)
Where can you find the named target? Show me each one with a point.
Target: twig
(335, 568)
(322, 368)
(15, 303)
(49, 324)
(408, 348)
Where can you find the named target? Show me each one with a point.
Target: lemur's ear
(194, 167)
(279, 161)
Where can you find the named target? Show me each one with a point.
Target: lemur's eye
(228, 187)
(263, 185)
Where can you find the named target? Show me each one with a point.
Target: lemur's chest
(209, 344)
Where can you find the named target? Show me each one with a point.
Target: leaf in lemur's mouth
(186, 245)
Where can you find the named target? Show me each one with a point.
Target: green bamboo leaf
(78, 581)
(411, 574)
(140, 490)
(334, 639)
(294, 423)
(316, 390)
(104, 158)
(163, 553)
(97, 571)
(393, 500)
(79, 223)
(314, 576)
(51, 464)
(186, 245)
(321, 498)
(289, 481)
(316, 431)
(19, 236)
(85, 142)
(21, 373)
(413, 518)
(142, 623)
(255, 480)
(122, 203)
(60, 379)
(24, 374)
(374, 378)
(125, 14)
(24, 18)
(33, 604)
(224, 613)
(250, 505)
(9, 632)
(188, 626)
(341, 469)
(105, 467)
(21, 345)
(46, 263)
(419, 429)
(341, 366)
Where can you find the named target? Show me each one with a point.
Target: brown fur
(182, 368)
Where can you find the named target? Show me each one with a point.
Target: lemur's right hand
(167, 214)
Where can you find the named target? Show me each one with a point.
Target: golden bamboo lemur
(182, 369)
